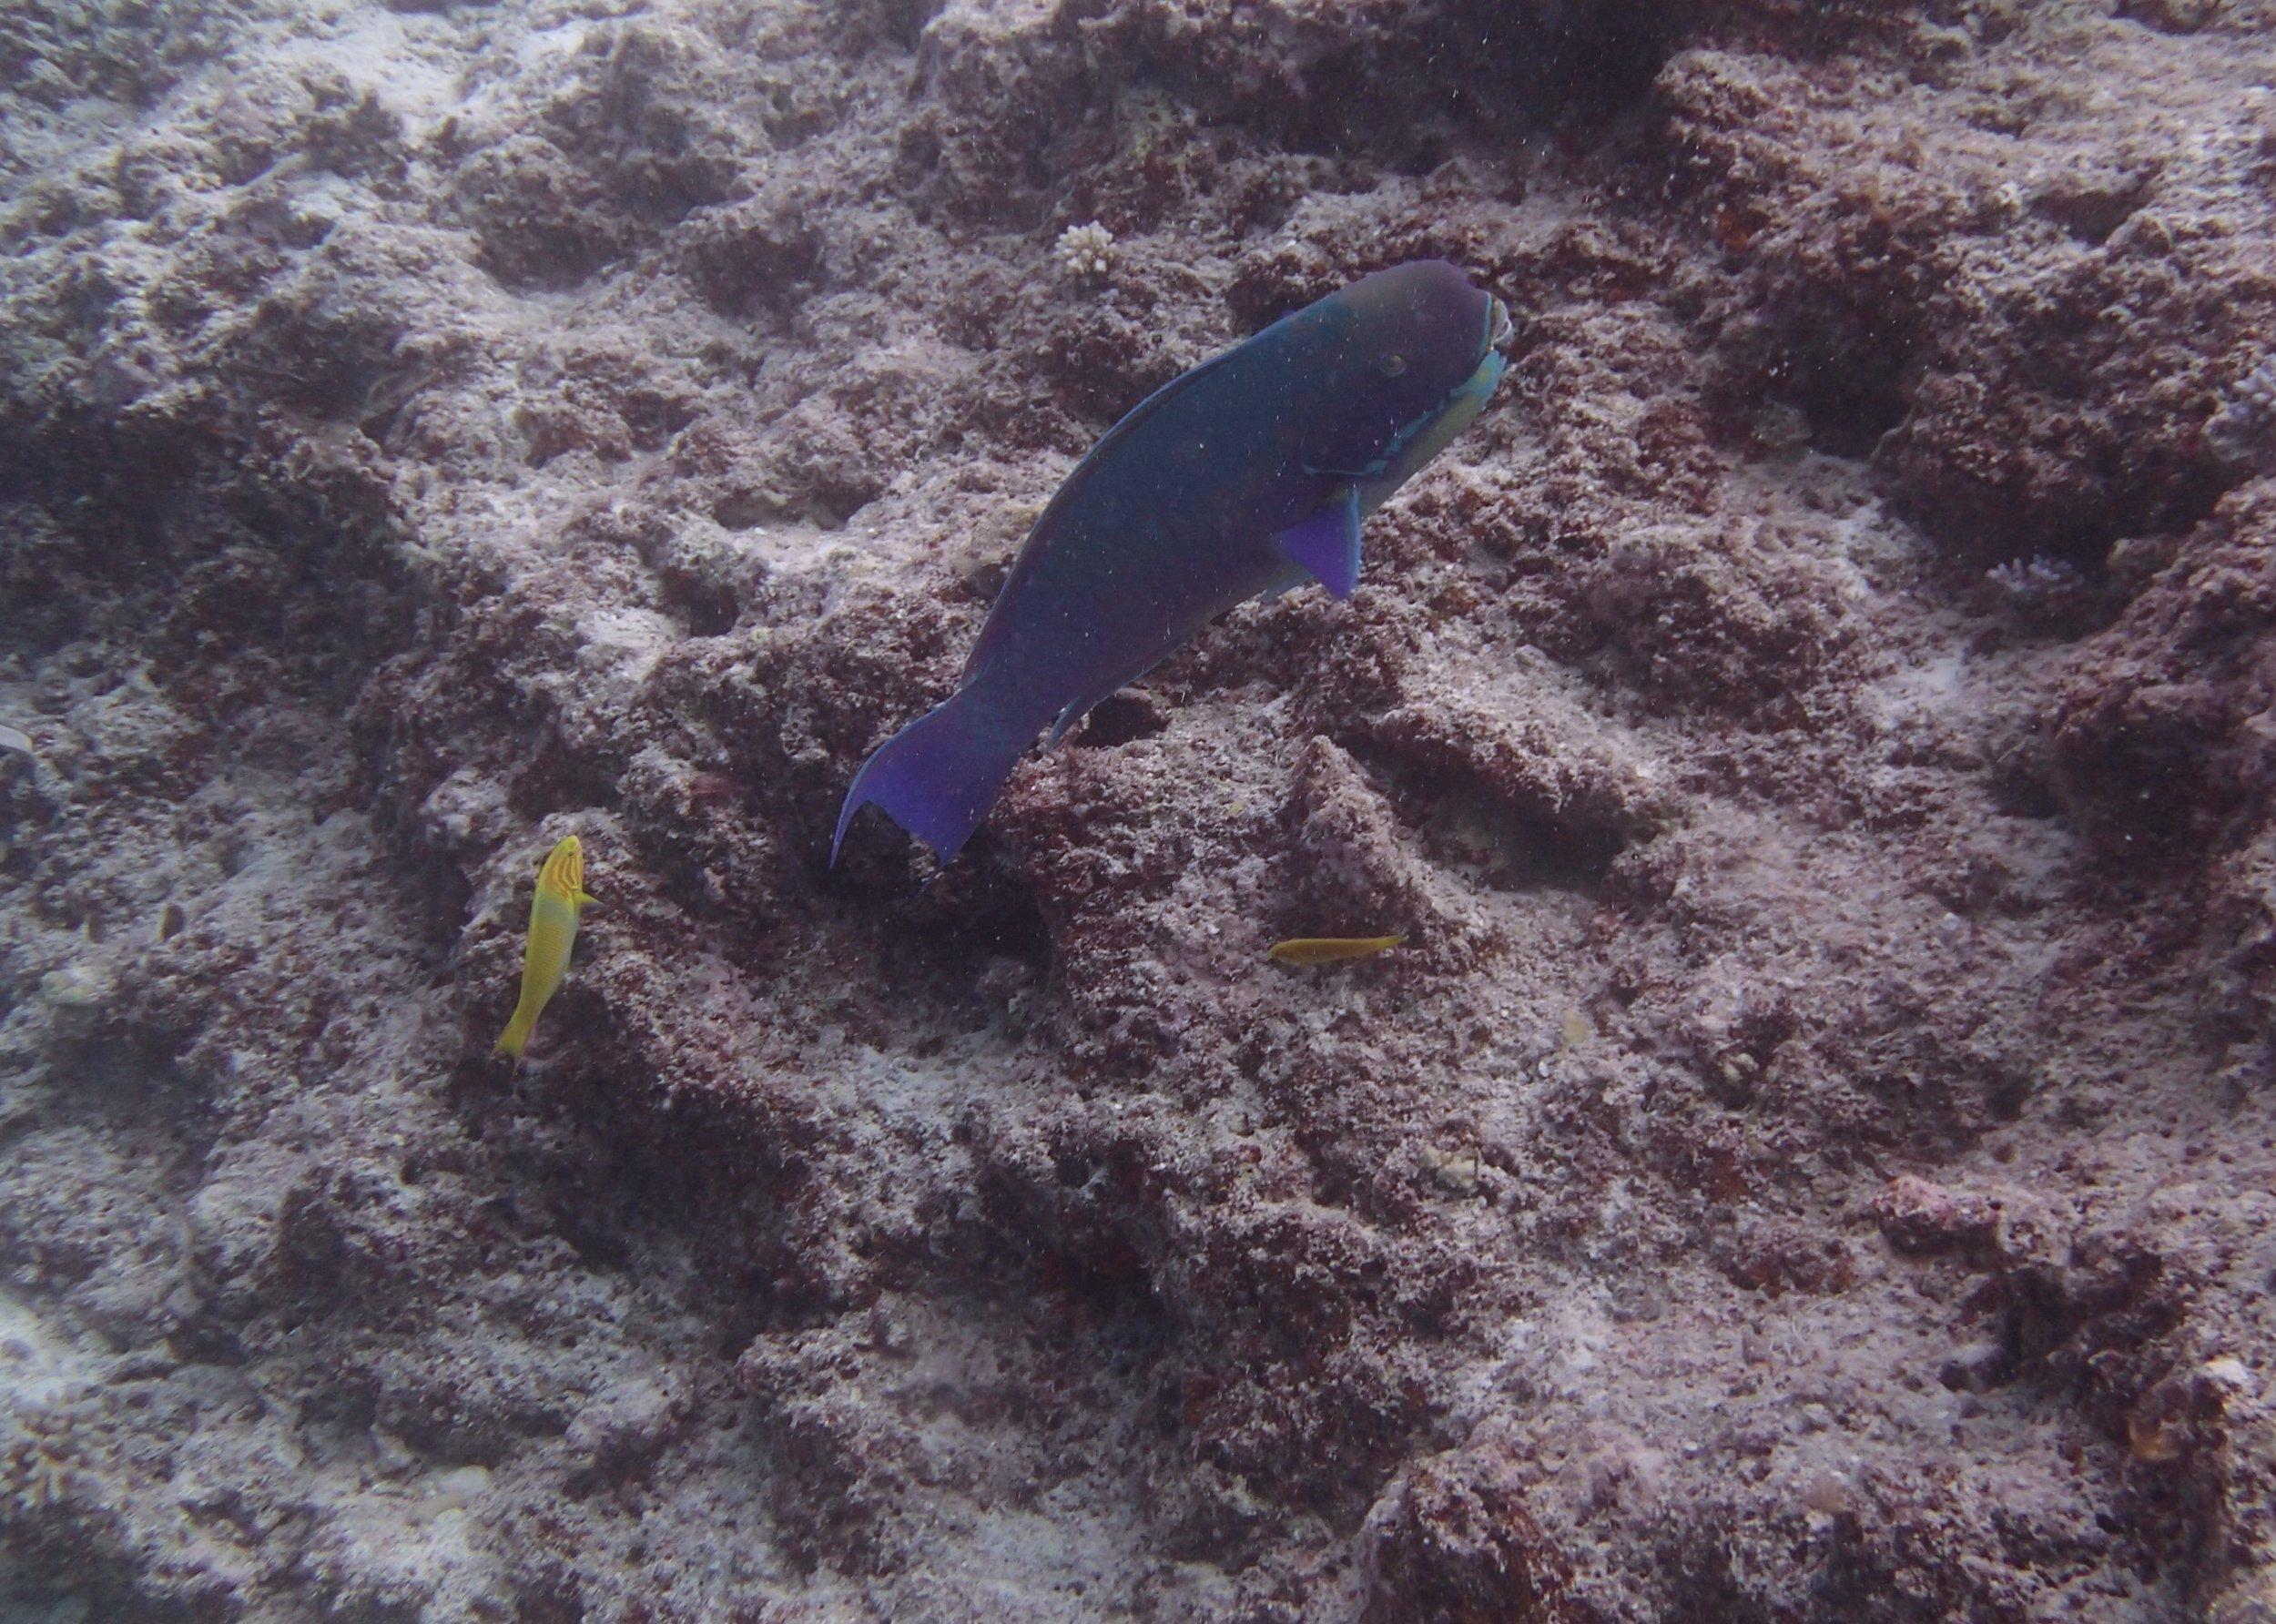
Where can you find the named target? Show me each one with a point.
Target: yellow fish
(552, 932)
(1328, 949)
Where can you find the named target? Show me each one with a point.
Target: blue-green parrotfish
(1241, 477)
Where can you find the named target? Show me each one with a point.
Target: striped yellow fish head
(563, 873)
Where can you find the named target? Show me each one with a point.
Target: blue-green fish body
(1242, 476)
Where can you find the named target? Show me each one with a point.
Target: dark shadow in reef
(1463, 822)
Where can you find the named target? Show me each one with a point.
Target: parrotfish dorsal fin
(1326, 544)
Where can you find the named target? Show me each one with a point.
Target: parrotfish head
(1392, 354)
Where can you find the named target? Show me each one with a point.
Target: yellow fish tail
(516, 1036)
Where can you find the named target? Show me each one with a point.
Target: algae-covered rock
(1806, 1157)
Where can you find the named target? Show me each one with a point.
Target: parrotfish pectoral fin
(937, 776)
(1327, 544)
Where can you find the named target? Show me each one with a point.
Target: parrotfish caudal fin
(937, 776)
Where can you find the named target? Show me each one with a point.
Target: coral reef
(1809, 1157)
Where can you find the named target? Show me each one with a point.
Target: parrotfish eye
(1393, 364)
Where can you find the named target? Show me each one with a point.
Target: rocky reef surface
(1810, 1160)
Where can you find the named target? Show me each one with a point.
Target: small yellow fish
(1328, 949)
(552, 932)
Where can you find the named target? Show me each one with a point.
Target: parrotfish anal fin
(1327, 544)
(1083, 704)
(1076, 710)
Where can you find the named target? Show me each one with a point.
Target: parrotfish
(552, 933)
(1329, 949)
(1242, 477)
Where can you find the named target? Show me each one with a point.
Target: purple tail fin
(937, 776)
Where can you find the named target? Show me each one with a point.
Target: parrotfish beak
(1499, 328)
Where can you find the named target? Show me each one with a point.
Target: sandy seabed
(1811, 1158)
